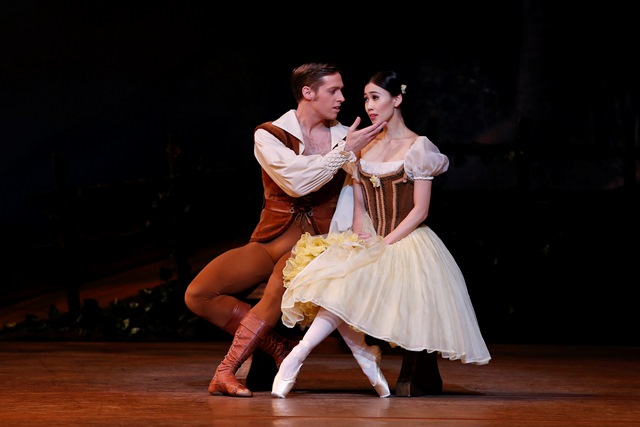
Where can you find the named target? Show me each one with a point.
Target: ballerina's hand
(363, 236)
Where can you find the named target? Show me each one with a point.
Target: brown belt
(287, 207)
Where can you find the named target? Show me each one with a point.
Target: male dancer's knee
(199, 301)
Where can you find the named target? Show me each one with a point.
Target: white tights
(321, 327)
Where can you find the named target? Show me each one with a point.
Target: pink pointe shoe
(282, 386)
(369, 360)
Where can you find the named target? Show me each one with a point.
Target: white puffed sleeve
(424, 160)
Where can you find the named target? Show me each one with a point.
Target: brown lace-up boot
(273, 344)
(240, 309)
(251, 332)
(258, 371)
(276, 346)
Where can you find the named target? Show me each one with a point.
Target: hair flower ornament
(375, 181)
(403, 89)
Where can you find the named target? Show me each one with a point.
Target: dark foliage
(156, 314)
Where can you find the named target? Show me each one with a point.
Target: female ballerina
(390, 277)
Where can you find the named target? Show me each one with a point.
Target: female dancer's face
(378, 103)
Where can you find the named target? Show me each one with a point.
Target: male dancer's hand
(357, 139)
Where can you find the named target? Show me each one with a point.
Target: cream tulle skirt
(411, 294)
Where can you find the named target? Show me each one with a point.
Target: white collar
(289, 122)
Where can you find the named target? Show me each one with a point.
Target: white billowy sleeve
(424, 160)
(298, 175)
(343, 216)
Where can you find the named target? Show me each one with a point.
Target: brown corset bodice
(389, 203)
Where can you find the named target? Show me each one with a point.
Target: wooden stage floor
(165, 384)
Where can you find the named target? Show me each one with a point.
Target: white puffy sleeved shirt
(297, 174)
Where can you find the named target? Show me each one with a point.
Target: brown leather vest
(389, 203)
(279, 209)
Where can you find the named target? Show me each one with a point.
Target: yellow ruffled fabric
(309, 248)
(306, 250)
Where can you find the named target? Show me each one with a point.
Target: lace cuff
(337, 158)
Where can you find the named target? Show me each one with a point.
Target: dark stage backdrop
(127, 96)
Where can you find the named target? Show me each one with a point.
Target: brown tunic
(280, 210)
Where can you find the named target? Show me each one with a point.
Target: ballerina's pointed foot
(289, 368)
(382, 387)
(380, 384)
(369, 360)
(282, 387)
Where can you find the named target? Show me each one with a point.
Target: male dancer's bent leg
(210, 295)
(255, 330)
(236, 271)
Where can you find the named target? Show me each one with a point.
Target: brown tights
(211, 293)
